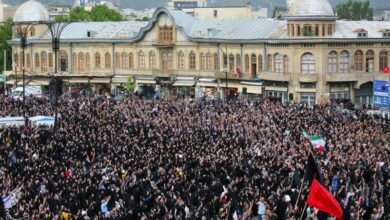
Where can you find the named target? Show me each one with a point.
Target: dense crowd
(158, 159)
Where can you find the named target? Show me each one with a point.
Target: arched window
(32, 31)
(370, 61)
(141, 60)
(28, 60)
(192, 61)
(117, 60)
(87, 61)
(269, 62)
(125, 61)
(16, 59)
(238, 61)
(107, 60)
(43, 61)
(330, 30)
(20, 60)
(344, 62)
(202, 61)
(253, 65)
(131, 61)
(50, 60)
(358, 61)
(74, 61)
(209, 61)
(215, 61)
(36, 60)
(97, 60)
(247, 63)
(63, 62)
(81, 62)
(383, 60)
(181, 60)
(308, 63)
(260, 61)
(285, 64)
(152, 60)
(231, 63)
(332, 62)
(278, 62)
(298, 30)
(166, 60)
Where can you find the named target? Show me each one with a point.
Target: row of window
(337, 63)
(361, 61)
(296, 30)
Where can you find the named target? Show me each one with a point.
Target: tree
(79, 14)
(98, 13)
(355, 10)
(5, 35)
(130, 83)
(103, 13)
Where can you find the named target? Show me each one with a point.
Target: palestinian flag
(316, 141)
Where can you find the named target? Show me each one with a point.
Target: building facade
(308, 56)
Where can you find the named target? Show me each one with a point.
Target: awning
(120, 79)
(2, 78)
(145, 81)
(230, 85)
(207, 80)
(38, 82)
(207, 84)
(78, 80)
(253, 89)
(11, 82)
(100, 80)
(306, 90)
(252, 83)
(184, 83)
(274, 88)
(185, 78)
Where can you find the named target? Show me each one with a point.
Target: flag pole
(303, 211)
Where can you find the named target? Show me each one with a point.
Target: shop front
(277, 93)
(206, 88)
(340, 93)
(252, 90)
(100, 85)
(231, 90)
(118, 82)
(185, 87)
(146, 86)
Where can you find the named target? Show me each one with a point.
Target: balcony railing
(308, 78)
(274, 76)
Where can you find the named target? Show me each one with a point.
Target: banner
(381, 93)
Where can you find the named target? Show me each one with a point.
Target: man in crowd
(157, 159)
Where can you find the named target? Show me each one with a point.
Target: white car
(29, 90)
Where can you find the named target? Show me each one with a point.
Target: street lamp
(56, 30)
(225, 70)
(22, 30)
(25, 17)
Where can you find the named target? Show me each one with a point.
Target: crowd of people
(175, 159)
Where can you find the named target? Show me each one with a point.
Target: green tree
(103, 13)
(79, 14)
(98, 13)
(355, 10)
(5, 35)
(130, 83)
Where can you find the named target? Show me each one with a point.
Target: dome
(310, 8)
(31, 11)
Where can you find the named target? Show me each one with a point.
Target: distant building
(6, 11)
(187, 4)
(58, 10)
(308, 55)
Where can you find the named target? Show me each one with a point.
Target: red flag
(322, 199)
(386, 69)
(238, 71)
